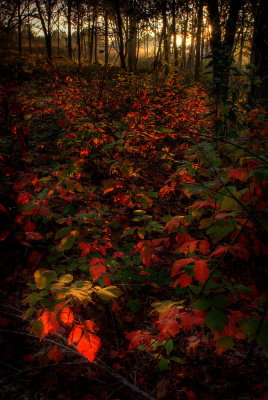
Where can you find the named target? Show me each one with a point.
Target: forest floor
(98, 171)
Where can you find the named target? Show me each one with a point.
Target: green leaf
(66, 244)
(230, 204)
(127, 232)
(216, 320)
(176, 359)
(221, 302)
(169, 346)
(201, 304)
(63, 232)
(44, 277)
(163, 364)
(108, 293)
(219, 230)
(166, 305)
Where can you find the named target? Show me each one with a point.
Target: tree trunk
(120, 35)
(198, 41)
(222, 51)
(259, 53)
(176, 55)
(166, 39)
(92, 39)
(132, 43)
(106, 39)
(183, 44)
(19, 29)
(69, 17)
(96, 40)
(78, 34)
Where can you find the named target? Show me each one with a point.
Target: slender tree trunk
(19, 28)
(69, 28)
(92, 38)
(78, 34)
(132, 43)
(120, 35)
(46, 29)
(166, 39)
(198, 41)
(183, 45)
(58, 33)
(259, 53)
(176, 55)
(106, 39)
(96, 40)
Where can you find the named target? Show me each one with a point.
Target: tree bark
(165, 37)
(19, 28)
(69, 28)
(106, 39)
(183, 44)
(120, 34)
(222, 51)
(198, 41)
(176, 55)
(259, 53)
(132, 43)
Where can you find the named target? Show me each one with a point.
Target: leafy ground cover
(133, 240)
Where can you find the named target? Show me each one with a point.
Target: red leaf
(75, 334)
(2, 208)
(188, 320)
(204, 246)
(220, 250)
(238, 173)
(138, 338)
(86, 248)
(184, 280)
(49, 323)
(23, 198)
(4, 235)
(201, 271)
(55, 354)
(91, 326)
(67, 316)
(89, 346)
(168, 325)
(116, 307)
(33, 236)
(98, 268)
(29, 226)
(179, 264)
(107, 280)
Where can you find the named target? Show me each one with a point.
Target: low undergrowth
(143, 235)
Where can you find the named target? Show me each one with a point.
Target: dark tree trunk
(19, 29)
(176, 55)
(183, 44)
(198, 41)
(78, 34)
(259, 53)
(120, 35)
(132, 43)
(166, 38)
(96, 40)
(106, 40)
(69, 28)
(222, 51)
